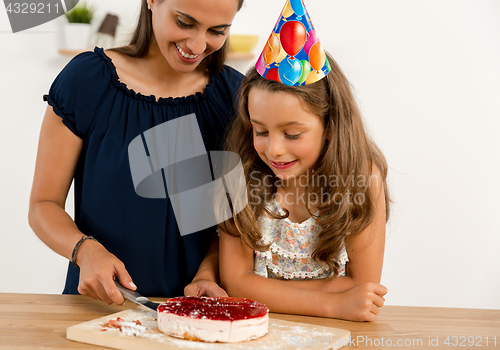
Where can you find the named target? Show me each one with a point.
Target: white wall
(427, 77)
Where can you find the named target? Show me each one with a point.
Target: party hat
(293, 54)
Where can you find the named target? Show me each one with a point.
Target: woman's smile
(186, 57)
(187, 31)
(184, 53)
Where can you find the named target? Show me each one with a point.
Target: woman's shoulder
(79, 88)
(90, 72)
(231, 73)
(89, 62)
(229, 79)
(89, 69)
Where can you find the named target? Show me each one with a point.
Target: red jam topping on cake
(222, 309)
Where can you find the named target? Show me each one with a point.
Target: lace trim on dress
(152, 98)
(290, 249)
(285, 252)
(296, 274)
(342, 259)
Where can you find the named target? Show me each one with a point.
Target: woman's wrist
(86, 248)
(77, 247)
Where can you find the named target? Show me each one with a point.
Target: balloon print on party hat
(293, 54)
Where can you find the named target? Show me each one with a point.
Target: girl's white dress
(292, 244)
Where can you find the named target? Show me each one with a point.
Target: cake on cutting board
(209, 319)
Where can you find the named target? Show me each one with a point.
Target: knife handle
(128, 294)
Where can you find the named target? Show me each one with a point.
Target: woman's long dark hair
(141, 41)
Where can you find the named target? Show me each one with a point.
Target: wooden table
(36, 321)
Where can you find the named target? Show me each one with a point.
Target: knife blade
(135, 297)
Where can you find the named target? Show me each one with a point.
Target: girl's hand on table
(98, 268)
(361, 303)
(204, 288)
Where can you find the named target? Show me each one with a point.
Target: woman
(99, 103)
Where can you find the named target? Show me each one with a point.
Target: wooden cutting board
(282, 335)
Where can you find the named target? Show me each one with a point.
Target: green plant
(80, 14)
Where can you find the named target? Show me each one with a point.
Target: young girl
(311, 239)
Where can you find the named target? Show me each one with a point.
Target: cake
(208, 319)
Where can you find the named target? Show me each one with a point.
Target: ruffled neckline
(152, 98)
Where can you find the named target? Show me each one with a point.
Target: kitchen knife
(135, 297)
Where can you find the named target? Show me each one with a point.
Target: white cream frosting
(213, 330)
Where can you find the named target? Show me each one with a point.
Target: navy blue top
(107, 116)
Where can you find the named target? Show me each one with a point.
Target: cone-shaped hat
(293, 54)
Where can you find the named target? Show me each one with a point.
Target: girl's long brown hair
(143, 34)
(343, 170)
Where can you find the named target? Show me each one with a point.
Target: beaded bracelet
(73, 255)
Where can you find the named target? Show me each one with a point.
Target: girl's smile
(282, 165)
